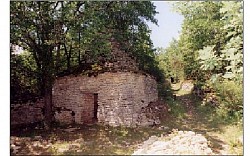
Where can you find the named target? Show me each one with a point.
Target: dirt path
(191, 121)
(198, 121)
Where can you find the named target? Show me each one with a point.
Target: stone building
(117, 97)
(110, 98)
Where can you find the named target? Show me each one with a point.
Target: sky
(169, 25)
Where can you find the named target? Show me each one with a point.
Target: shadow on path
(196, 120)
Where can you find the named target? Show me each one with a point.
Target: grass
(176, 109)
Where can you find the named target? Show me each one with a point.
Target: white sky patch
(17, 49)
(169, 24)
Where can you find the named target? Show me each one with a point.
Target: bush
(164, 90)
(230, 94)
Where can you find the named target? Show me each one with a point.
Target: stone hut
(115, 98)
(118, 97)
(110, 98)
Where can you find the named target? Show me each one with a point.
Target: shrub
(164, 90)
(230, 95)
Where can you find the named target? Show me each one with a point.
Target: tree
(201, 28)
(36, 27)
(229, 58)
(171, 60)
(23, 77)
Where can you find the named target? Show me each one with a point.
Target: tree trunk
(79, 51)
(68, 62)
(58, 56)
(48, 115)
(68, 55)
(48, 107)
(48, 79)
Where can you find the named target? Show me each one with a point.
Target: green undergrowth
(176, 108)
(220, 131)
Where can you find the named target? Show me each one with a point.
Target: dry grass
(94, 139)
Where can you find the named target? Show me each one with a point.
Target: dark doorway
(172, 79)
(95, 106)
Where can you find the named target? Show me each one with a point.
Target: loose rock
(178, 142)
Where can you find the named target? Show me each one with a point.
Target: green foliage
(211, 42)
(230, 95)
(23, 83)
(229, 58)
(201, 28)
(164, 90)
(208, 58)
(80, 32)
(171, 61)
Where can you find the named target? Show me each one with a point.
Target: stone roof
(120, 59)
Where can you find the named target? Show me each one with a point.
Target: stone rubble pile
(187, 86)
(152, 114)
(176, 143)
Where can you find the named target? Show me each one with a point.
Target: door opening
(95, 107)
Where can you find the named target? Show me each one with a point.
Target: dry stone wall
(121, 97)
(30, 112)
